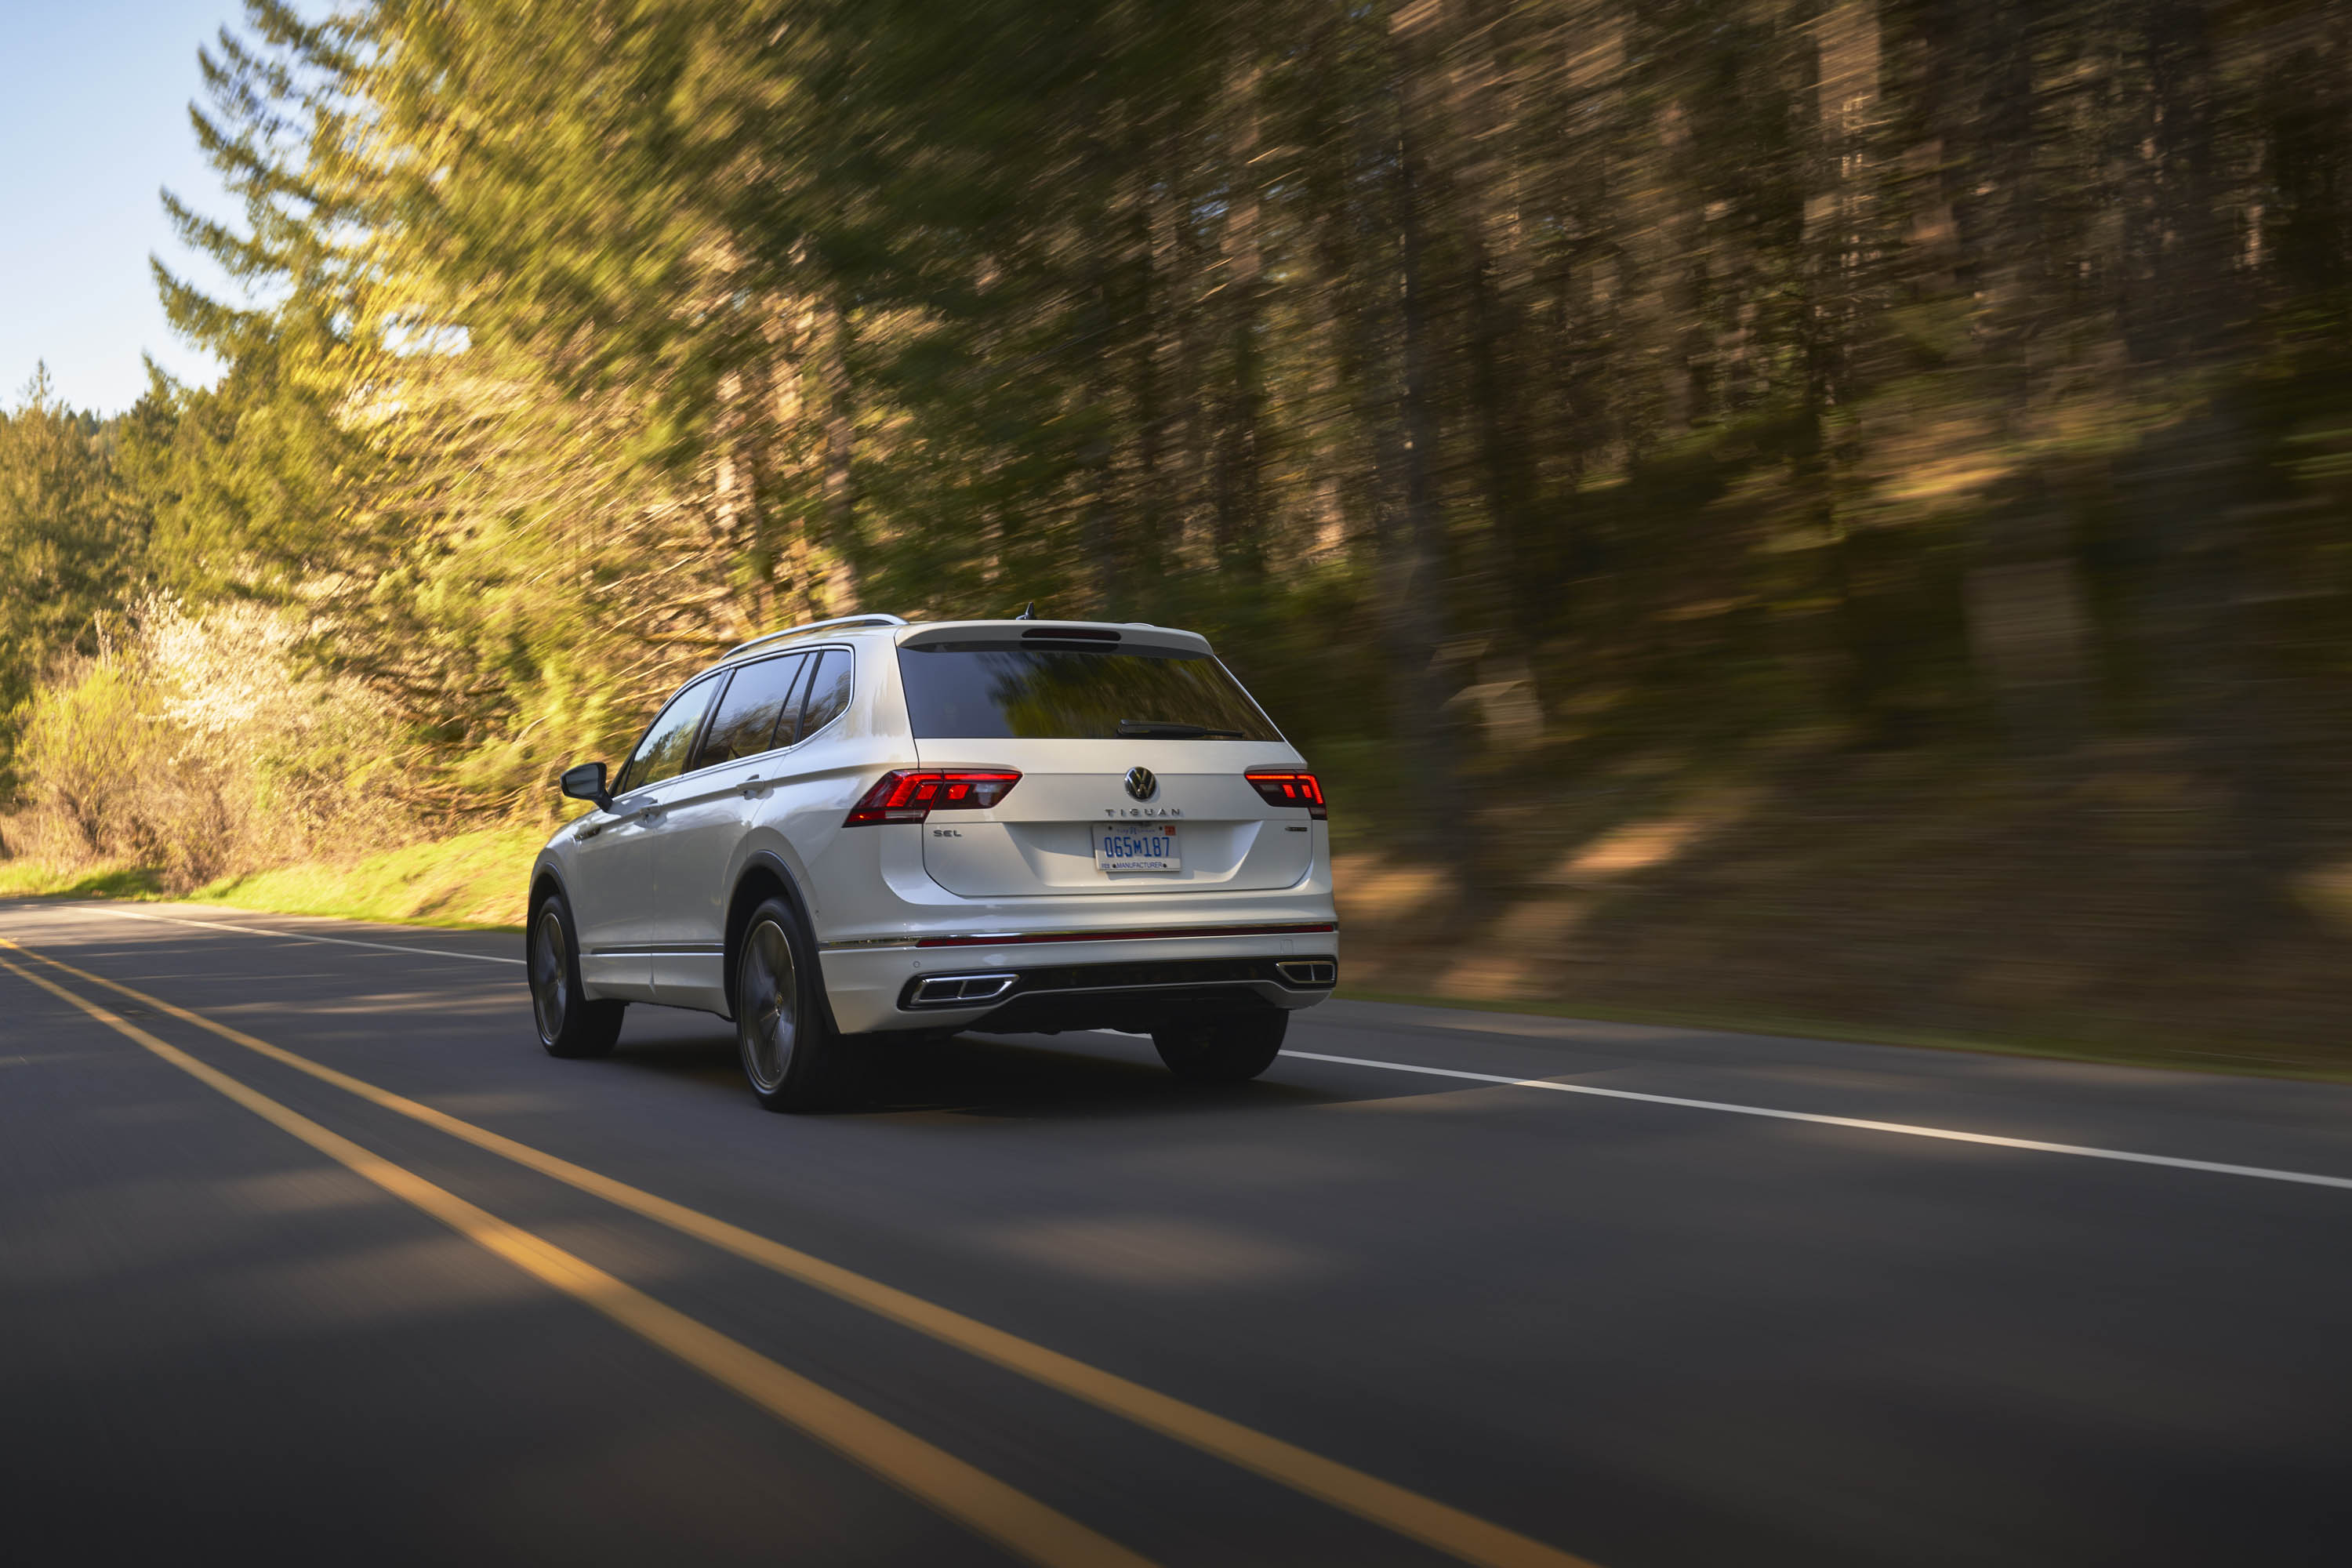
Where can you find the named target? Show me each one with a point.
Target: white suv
(864, 826)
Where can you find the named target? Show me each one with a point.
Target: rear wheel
(1231, 1049)
(569, 1023)
(791, 1054)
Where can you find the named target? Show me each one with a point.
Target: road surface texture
(307, 1251)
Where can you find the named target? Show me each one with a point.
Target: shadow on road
(1024, 1078)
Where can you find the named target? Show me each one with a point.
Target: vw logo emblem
(1140, 783)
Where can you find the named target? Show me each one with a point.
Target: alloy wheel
(550, 975)
(768, 994)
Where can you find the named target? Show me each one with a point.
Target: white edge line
(301, 936)
(1906, 1128)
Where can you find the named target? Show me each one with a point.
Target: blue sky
(93, 119)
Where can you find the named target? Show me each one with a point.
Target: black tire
(793, 1058)
(1227, 1049)
(570, 1024)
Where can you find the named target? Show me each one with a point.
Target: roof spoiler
(1107, 636)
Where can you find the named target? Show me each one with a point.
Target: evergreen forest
(1773, 509)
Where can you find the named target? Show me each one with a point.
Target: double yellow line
(949, 1484)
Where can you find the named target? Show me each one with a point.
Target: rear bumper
(1061, 983)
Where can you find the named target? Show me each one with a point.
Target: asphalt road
(1036, 1302)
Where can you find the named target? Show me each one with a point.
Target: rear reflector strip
(1009, 938)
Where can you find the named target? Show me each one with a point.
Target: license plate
(1135, 847)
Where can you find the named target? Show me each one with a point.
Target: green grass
(471, 881)
(475, 880)
(41, 879)
(2315, 1065)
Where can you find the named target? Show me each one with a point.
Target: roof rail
(815, 627)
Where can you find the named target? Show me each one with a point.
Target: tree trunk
(1414, 546)
(1500, 281)
(2025, 600)
(1842, 242)
(1236, 481)
(2200, 633)
(840, 455)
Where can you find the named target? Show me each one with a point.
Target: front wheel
(1232, 1048)
(791, 1054)
(570, 1024)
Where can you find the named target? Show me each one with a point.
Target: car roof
(866, 628)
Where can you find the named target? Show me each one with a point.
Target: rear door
(1133, 753)
(738, 760)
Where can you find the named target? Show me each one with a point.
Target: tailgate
(1190, 805)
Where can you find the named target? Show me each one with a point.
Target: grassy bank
(32, 878)
(474, 880)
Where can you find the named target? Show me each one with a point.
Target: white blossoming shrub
(203, 743)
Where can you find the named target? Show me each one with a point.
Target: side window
(758, 696)
(828, 690)
(662, 753)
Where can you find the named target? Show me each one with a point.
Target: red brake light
(1290, 789)
(910, 794)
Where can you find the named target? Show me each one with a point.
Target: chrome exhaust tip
(1308, 971)
(959, 990)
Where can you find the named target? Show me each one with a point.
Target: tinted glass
(662, 753)
(966, 691)
(745, 724)
(828, 691)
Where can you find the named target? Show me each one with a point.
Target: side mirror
(586, 782)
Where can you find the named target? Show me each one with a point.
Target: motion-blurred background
(1817, 513)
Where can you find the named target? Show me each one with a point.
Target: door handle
(753, 786)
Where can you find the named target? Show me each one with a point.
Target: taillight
(1290, 789)
(910, 794)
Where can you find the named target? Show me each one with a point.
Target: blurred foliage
(1544, 402)
(191, 745)
(70, 534)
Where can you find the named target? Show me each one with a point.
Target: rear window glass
(828, 690)
(746, 722)
(993, 692)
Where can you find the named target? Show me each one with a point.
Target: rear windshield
(993, 692)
